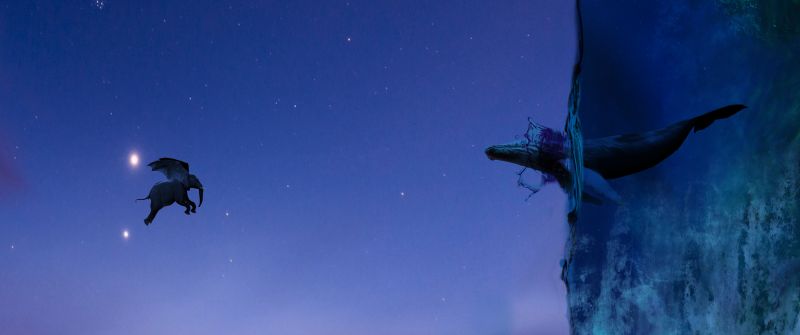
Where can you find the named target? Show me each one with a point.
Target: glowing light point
(126, 234)
(134, 159)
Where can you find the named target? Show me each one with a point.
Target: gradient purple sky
(341, 144)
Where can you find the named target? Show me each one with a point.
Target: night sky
(341, 147)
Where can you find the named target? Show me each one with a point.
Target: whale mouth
(491, 153)
(501, 152)
(512, 153)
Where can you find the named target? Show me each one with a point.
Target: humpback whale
(548, 151)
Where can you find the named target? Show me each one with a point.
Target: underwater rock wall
(708, 242)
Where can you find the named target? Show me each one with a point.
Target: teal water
(707, 242)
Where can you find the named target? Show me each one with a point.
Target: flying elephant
(174, 190)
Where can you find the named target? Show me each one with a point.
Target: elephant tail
(145, 198)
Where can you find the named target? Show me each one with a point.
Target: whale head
(518, 152)
(540, 149)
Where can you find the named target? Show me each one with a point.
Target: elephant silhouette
(174, 190)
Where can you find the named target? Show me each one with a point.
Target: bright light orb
(126, 234)
(134, 159)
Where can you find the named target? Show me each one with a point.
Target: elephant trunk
(201, 197)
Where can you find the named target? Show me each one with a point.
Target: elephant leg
(153, 211)
(185, 203)
(194, 206)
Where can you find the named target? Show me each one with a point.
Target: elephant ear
(173, 169)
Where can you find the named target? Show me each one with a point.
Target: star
(348, 39)
(126, 234)
(134, 159)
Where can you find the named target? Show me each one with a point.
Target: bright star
(134, 159)
(126, 234)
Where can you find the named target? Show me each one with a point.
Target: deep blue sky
(341, 145)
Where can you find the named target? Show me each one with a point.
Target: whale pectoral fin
(597, 190)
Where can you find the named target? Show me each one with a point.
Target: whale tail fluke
(703, 121)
